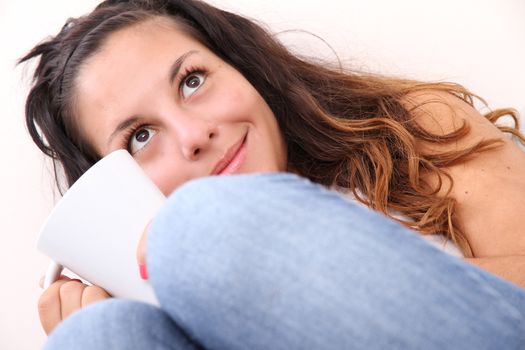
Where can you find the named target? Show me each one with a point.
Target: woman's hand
(64, 297)
(141, 254)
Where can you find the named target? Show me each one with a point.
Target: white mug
(95, 228)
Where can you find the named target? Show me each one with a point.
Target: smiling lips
(232, 160)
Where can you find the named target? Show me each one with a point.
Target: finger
(62, 277)
(141, 253)
(49, 309)
(71, 297)
(93, 294)
(141, 248)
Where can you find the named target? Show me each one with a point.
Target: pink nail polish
(143, 272)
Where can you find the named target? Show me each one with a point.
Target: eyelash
(188, 71)
(129, 133)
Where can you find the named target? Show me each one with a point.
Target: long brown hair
(342, 128)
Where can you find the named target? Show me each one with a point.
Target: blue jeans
(273, 261)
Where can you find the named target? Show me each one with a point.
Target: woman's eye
(140, 138)
(192, 83)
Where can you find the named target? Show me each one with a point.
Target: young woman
(281, 258)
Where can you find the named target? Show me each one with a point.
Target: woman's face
(177, 108)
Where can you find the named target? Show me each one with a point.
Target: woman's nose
(195, 138)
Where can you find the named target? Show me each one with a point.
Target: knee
(115, 324)
(207, 195)
(203, 205)
(208, 209)
(220, 210)
(214, 232)
(232, 213)
(209, 230)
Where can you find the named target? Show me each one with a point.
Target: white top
(444, 244)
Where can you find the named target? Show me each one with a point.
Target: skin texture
(186, 127)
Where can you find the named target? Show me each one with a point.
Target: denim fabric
(119, 324)
(273, 261)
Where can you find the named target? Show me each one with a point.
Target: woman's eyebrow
(175, 67)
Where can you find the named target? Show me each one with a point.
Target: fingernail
(143, 272)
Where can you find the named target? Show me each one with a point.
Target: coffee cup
(95, 228)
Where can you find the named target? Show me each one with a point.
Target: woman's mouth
(231, 162)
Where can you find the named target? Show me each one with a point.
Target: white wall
(25, 195)
(475, 42)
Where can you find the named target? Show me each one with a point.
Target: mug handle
(52, 274)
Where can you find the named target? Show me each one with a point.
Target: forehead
(132, 54)
(144, 40)
(144, 47)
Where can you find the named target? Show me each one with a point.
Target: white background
(479, 43)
